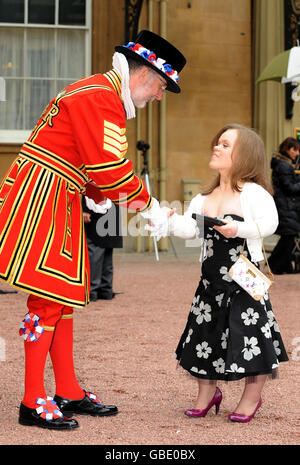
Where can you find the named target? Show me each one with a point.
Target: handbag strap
(264, 251)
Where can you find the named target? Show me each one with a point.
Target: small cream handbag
(249, 277)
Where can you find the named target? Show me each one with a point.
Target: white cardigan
(259, 213)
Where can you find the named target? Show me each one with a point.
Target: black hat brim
(172, 86)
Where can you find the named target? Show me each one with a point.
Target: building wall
(215, 37)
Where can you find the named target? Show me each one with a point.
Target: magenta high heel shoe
(216, 400)
(244, 418)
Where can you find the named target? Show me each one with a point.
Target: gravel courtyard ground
(124, 352)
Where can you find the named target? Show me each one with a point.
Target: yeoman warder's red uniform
(79, 138)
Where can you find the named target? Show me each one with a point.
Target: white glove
(101, 207)
(159, 220)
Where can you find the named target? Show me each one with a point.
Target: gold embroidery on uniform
(132, 195)
(30, 223)
(48, 114)
(107, 166)
(67, 242)
(114, 139)
(45, 269)
(118, 184)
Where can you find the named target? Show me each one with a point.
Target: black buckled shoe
(89, 405)
(45, 418)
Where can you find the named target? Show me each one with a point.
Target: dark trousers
(280, 260)
(101, 269)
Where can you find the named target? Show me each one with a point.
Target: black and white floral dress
(228, 334)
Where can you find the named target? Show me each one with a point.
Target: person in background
(103, 234)
(286, 184)
(229, 335)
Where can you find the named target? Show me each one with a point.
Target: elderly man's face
(146, 86)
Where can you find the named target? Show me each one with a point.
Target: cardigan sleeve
(185, 226)
(260, 213)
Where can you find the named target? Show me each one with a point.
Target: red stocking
(35, 359)
(36, 352)
(61, 353)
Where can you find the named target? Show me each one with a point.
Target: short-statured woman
(229, 335)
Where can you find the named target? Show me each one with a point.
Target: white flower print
(234, 253)
(276, 347)
(205, 283)
(266, 330)
(209, 248)
(219, 299)
(195, 304)
(264, 299)
(272, 321)
(276, 327)
(251, 349)
(219, 365)
(224, 271)
(235, 369)
(203, 350)
(188, 338)
(200, 372)
(203, 312)
(250, 317)
(224, 339)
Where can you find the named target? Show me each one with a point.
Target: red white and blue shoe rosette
(47, 409)
(30, 328)
(93, 397)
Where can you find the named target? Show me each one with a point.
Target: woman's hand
(229, 230)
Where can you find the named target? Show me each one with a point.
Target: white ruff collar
(119, 62)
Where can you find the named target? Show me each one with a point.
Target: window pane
(11, 111)
(11, 11)
(11, 52)
(70, 44)
(61, 84)
(38, 94)
(72, 12)
(41, 11)
(40, 53)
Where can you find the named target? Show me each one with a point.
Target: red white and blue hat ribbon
(30, 328)
(48, 409)
(154, 60)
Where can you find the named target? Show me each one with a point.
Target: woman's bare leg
(206, 391)
(251, 395)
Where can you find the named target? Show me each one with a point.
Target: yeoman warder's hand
(169, 213)
(229, 230)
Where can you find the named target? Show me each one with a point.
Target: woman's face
(293, 152)
(221, 158)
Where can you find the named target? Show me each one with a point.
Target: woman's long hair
(249, 161)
